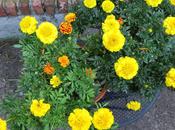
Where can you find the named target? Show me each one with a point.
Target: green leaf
(17, 46)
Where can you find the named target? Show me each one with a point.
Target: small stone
(2, 11)
(62, 6)
(37, 7)
(50, 6)
(24, 7)
(10, 7)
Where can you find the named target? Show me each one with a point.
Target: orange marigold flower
(64, 61)
(48, 69)
(70, 17)
(120, 20)
(65, 28)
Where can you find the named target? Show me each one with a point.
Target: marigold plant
(52, 84)
(142, 30)
(65, 68)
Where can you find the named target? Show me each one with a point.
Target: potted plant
(132, 50)
(66, 84)
(56, 87)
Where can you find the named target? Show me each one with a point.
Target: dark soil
(10, 68)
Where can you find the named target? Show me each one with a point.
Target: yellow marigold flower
(172, 2)
(169, 25)
(28, 24)
(38, 108)
(48, 69)
(113, 40)
(90, 3)
(3, 124)
(111, 16)
(55, 81)
(70, 17)
(153, 3)
(134, 105)
(126, 67)
(103, 119)
(64, 61)
(80, 119)
(108, 6)
(66, 28)
(110, 23)
(47, 32)
(170, 78)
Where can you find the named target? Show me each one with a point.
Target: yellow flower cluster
(90, 3)
(80, 119)
(153, 3)
(170, 78)
(108, 6)
(172, 2)
(38, 108)
(3, 124)
(169, 25)
(134, 105)
(126, 67)
(113, 39)
(46, 32)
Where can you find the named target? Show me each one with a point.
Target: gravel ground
(160, 117)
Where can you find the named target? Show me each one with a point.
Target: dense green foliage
(77, 89)
(145, 40)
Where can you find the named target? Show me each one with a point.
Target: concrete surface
(160, 117)
(9, 26)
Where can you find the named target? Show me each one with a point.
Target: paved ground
(9, 25)
(160, 117)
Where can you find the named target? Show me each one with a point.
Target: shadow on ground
(160, 117)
